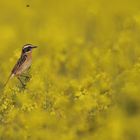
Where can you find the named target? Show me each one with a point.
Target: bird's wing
(19, 63)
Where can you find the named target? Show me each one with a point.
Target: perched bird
(23, 63)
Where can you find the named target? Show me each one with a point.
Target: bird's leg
(25, 76)
(21, 82)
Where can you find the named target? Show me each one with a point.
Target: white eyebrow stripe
(26, 46)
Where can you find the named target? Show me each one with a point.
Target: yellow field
(85, 81)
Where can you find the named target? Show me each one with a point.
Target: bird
(23, 63)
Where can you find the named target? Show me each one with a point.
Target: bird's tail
(10, 76)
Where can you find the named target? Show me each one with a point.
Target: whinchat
(23, 63)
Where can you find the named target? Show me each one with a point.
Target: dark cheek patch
(26, 50)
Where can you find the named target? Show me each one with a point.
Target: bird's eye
(26, 49)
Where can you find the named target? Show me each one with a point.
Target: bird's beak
(34, 47)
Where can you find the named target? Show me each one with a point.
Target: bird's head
(28, 48)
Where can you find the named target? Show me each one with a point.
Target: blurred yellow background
(85, 81)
